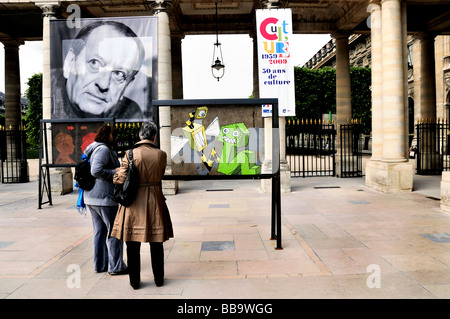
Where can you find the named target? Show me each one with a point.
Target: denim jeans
(108, 251)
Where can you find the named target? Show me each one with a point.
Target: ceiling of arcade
(23, 19)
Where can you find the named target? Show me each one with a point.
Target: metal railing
(433, 149)
(13, 156)
(310, 148)
(351, 147)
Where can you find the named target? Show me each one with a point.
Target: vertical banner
(276, 73)
(103, 68)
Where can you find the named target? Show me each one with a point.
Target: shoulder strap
(130, 151)
(85, 157)
(97, 146)
(130, 154)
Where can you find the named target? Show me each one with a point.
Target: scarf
(81, 206)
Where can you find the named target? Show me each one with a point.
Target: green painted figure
(231, 162)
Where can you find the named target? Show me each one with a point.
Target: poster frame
(61, 39)
(45, 163)
(274, 176)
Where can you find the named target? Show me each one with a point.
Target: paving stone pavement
(341, 240)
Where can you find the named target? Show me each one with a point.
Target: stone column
(13, 105)
(377, 92)
(343, 92)
(377, 80)
(16, 166)
(427, 146)
(61, 178)
(177, 67)
(427, 77)
(394, 149)
(393, 173)
(160, 9)
(48, 13)
(405, 77)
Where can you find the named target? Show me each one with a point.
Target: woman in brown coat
(147, 219)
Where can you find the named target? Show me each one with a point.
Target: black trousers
(134, 261)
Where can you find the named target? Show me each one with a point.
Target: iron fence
(351, 148)
(310, 148)
(13, 156)
(433, 149)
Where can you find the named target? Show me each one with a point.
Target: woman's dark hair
(106, 135)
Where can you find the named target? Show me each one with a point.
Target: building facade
(389, 22)
(360, 56)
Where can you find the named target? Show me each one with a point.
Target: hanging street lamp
(217, 66)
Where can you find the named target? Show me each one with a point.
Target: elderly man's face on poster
(106, 68)
(98, 75)
(102, 70)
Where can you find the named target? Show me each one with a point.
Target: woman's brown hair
(105, 135)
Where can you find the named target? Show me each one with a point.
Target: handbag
(125, 193)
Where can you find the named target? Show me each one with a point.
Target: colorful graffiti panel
(217, 139)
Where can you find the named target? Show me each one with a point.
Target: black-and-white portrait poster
(106, 68)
